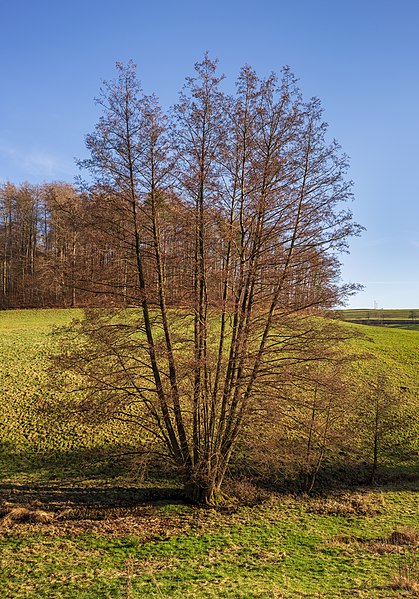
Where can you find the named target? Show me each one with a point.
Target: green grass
(33, 438)
(285, 547)
(77, 519)
(396, 351)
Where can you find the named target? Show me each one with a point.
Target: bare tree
(259, 196)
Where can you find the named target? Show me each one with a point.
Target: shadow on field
(338, 478)
(99, 481)
(359, 475)
(58, 495)
(91, 478)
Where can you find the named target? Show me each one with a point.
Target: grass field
(79, 519)
(411, 315)
(359, 545)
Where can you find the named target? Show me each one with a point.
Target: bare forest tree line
(54, 252)
(60, 249)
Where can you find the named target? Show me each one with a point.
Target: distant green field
(79, 520)
(397, 354)
(381, 314)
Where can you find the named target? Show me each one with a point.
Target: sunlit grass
(282, 548)
(75, 522)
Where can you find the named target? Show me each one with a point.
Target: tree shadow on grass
(338, 478)
(348, 477)
(105, 477)
(113, 478)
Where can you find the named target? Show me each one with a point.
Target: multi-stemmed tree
(229, 216)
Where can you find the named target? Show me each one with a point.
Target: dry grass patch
(402, 583)
(397, 542)
(245, 492)
(19, 515)
(348, 504)
(143, 522)
(405, 536)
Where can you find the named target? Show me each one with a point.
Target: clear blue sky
(360, 57)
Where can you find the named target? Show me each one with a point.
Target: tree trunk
(203, 489)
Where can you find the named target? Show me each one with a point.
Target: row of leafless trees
(59, 248)
(39, 245)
